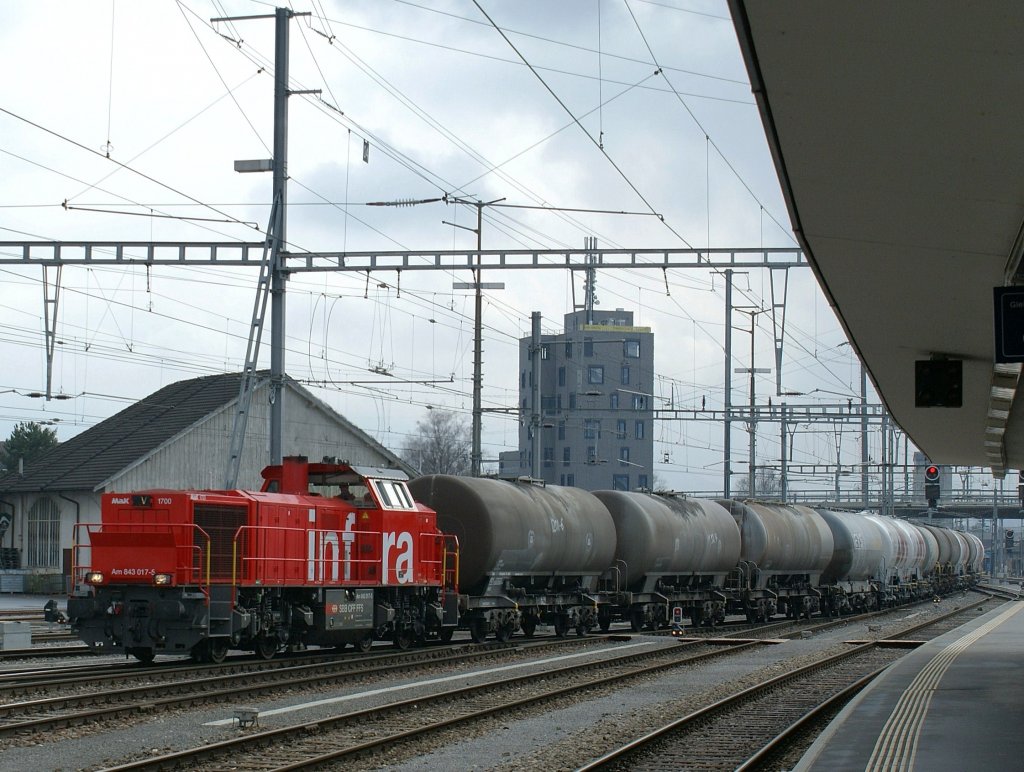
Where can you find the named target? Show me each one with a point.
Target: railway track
(775, 713)
(328, 741)
(95, 697)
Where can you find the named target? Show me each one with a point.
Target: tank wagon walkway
(953, 704)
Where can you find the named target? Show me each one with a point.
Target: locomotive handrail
(317, 559)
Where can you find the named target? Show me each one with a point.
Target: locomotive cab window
(393, 494)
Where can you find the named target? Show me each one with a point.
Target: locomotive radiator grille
(220, 522)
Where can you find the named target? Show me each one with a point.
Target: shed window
(44, 534)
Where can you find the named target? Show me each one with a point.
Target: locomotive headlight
(94, 577)
(162, 580)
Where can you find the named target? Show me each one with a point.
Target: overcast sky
(628, 106)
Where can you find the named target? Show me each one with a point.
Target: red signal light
(931, 473)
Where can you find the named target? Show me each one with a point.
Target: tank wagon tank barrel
(532, 553)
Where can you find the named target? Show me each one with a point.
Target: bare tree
(441, 445)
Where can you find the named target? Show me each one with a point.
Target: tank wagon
(531, 554)
(205, 572)
(673, 557)
(854, 576)
(786, 548)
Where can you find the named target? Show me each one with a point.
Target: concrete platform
(956, 703)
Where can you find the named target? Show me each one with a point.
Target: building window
(561, 376)
(592, 429)
(561, 429)
(544, 353)
(591, 454)
(613, 401)
(522, 379)
(588, 347)
(620, 482)
(549, 456)
(547, 403)
(572, 400)
(620, 430)
(568, 349)
(639, 402)
(570, 480)
(641, 481)
(625, 375)
(632, 349)
(595, 374)
(566, 455)
(44, 534)
(639, 430)
(624, 455)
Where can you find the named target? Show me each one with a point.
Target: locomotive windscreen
(220, 522)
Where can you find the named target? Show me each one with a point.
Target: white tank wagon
(785, 550)
(672, 558)
(529, 553)
(976, 561)
(905, 566)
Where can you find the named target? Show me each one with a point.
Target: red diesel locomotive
(205, 572)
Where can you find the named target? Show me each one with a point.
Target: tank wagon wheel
(143, 655)
(582, 630)
(365, 643)
(529, 625)
(402, 639)
(561, 626)
(478, 630)
(504, 632)
(266, 647)
(636, 620)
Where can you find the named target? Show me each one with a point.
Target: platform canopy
(897, 131)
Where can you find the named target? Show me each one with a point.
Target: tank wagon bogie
(205, 572)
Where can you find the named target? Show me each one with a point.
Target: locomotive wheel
(478, 630)
(561, 626)
(266, 647)
(217, 650)
(604, 622)
(402, 639)
(143, 655)
(365, 643)
(529, 625)
(446, 633)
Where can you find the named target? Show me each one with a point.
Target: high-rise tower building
(596, 411)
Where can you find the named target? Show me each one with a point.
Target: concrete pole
(280, 195)
(727, 438)
(783, 473)
(477, 349)
(751, 466)
(864, 435)
(536, 471)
